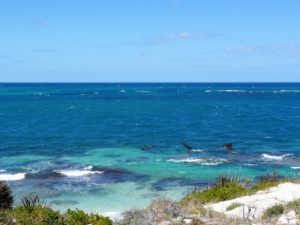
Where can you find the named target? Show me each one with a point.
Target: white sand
(253, 206)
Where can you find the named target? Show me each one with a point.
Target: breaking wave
(79, 172)
(12, 177)
(201, 161)
(268, 157)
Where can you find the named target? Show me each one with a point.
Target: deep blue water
(105, 142)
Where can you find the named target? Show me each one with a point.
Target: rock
(187, 221)
(289, 218)
(282, 220)
(165, 223)
(228, 146)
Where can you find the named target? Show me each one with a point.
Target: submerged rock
(165, 183)
(119, 175)
(289, 218)
(228, 146)
(44, 175)
(63, 202)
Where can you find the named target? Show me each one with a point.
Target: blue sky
(149, 40)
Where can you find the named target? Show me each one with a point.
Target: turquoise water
(111, 147)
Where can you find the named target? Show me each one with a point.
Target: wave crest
(12, 177)
(79, 172)
(201, 161)
(268, 157)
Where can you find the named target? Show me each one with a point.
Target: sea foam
(12, 177)
(197, 150)
(268, 157)
(79, 172)
(205, 162)
(295, 167)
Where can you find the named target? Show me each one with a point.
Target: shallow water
(110, 147)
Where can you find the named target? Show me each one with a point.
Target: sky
(149, 41)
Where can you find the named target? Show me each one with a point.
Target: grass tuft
(233, 206)
(273, 211)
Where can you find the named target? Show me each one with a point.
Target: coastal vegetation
(6, 198)
(233, 206)
(35, 212)
(232, 186)
(190, 210)
(273, 211)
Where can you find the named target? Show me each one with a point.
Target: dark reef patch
(119, 175)
(62, 202)
(134, 160)
(44, 175)
(165, 183)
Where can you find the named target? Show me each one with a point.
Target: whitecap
(79, 173)
(236, 91)
(288, 91)
(268, 157)
(142, 91)
(113, 215)
(11, 177)
(250, 164)
(205, 162)
(295, 167)
(122, 91)
(197, 150)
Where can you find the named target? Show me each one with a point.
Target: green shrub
(36, 215)
(275, 210)
(75, 217)
(218, 193)
(267, 183)
(233, 206)
(79, 217)
(6, 198)
(230, 186)
(295, 205)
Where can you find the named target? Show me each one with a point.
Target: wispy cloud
(101, 46)
(42, 22)
(46, 51)
(6, 56)
(264, 50)
(159, 39)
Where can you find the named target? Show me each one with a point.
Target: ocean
(109, 147)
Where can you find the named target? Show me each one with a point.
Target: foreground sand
(253, 206)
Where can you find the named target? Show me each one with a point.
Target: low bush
(273, 211)
(79, 217)
(43, 215)
(37, 215)
(294, 205)
(6, 198)
(217, 193)
(229, 187)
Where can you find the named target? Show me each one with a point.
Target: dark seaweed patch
(63, 202)
(44, 175)
(165, 183)
(119, 175)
